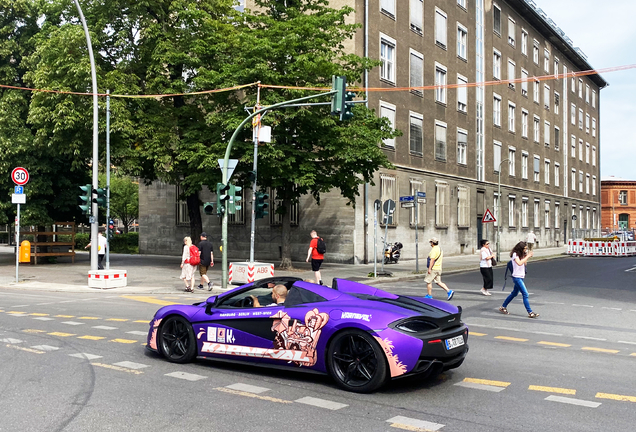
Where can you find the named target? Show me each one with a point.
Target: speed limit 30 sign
(20, 176)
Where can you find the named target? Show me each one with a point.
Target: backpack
(508, 270)
(195, 256)
(321, 246)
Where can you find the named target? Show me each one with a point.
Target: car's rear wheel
(176, 340)
(356, 362)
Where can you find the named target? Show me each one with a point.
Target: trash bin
(25, 252)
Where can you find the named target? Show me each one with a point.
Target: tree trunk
(286, 262)
(196, 226)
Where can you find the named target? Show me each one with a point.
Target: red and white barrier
(601, 248)
(107, 278)
(245, 272)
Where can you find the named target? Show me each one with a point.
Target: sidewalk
(159, 274)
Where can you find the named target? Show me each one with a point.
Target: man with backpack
(316, 253)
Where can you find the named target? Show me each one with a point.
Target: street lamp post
(499, 204)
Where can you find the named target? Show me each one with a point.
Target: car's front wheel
(356, 362)
(176, 340)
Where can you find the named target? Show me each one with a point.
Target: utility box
(244, 272)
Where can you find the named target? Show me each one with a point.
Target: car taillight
(435, 341)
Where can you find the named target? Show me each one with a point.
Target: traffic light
(222, 197)
(101, 199)
(111, 228)
(261, 205)
(339, 84)
(86, 199)
(208, 208)
(347, 112)
(234, 203)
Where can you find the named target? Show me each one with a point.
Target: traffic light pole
(108, 180)
(226, 162)
(257, 128)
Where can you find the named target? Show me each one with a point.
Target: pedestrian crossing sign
(488, 217)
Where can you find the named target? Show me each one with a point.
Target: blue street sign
(421, 194)
(407, 199)
(18, 189)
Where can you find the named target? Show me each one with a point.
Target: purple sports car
(360, 335)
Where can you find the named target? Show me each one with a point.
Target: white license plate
(454, 342)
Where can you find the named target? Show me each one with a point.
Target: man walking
(207, 261)
(530, 240)
(434, 273)
(315, 255)
(101, 249)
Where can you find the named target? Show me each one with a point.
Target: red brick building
(618, 204)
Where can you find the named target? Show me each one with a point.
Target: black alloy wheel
(176, 340)
(356, 362)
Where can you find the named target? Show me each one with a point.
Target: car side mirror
(211, 300)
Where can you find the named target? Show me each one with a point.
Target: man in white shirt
(101, 249)
(530, 240)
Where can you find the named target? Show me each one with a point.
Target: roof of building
(615, 179)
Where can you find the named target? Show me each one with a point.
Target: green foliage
(121, 243)
(124, 198)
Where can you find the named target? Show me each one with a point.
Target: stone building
(529, 126)
(618, 204)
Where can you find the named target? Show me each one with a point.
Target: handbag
(493, 261)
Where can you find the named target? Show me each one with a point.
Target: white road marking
(19, 306)
(321, 403)
(45, 347)
(130, 365)
(611, 308)
(590, 338)
(420, 424)
(580, 305)
(573, 401)
(11, 341)
(186, 376)
(42, 304)
(555, 303)
(546, 333)
(105, 328)
(85, 356)
(248, 388)
(17, 314)
(480, 386)
(138, 333)
(627, 342)
(44, 319)
(72, 323)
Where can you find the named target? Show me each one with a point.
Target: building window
(462, 144)
(573, 141)
(511, 116)
(524, 166)
(462, 41)
(496, 110)
(535, 216)
(594, 185)
(594, 127)
(417, 15)
(388, 111)
(581, 150)
(388, 6)
(415, 134)
(556, 67)
(496, 150)
(546, 133)
(557, 138)
(573, 84)
(536, 131)
(537, 167)
(546, 97)
(416, 72)
(440, 82)
(524, 124)
(496, 17)
(573, 179)
(461, 3)
(511, 73)
(442, 201)
(183, 217)
(587, 184)
(276, 218)
(524, 212)
(622, 197)
(580, 119)
(511, 31)
(587, 94)
(511, 211)
(593, 155)
(546, 172)
(511, 161)
(387, 57)
(587, 152)
(536, 91)
(440, 141)
(535, 52)
(462, 93)
(557, 215)
(593, 99)
(440, 28)
(587, 123)
(546, 219)
(496, 64)
(557, 174)
(524, 82)
(573, 115)
(557, 102)
(524, 42)
(546, 60)
(417, 186)
(580, 88)
(587, 218)
(463, 206)
(581, 181)
(237, 218)
(388, 190)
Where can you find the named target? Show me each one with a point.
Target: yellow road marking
(91, 337)
(633, 354)
(511, 338)
(409, 427)
(472, 334)
(60, 334)
(31, 350)
(117, 368)
(88, 318)
(556, 344)
(172, 298)
(552, 390)
(117, 319)
(487, 382)
(142, 321)
(38, 314)
(616, 397)
(603, 350)
(252, 395)
(64, 316)
(17, 312)
(126, 341)
(34, 331)
(147, 299)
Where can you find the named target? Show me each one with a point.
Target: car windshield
(263, 294)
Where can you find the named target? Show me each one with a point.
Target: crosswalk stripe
(478, 386)
(186, 376)
(572, 401)
(131, 365)
(118, 368)
(321, 403)
(61, 334)
(44, 319)
(45, 347)
(88, 337)
(88, 318)
(248, 388)
(487, 382)
(64, 316)
(31, 350)
(11, 341)
(104, 328)
(74, 323)
(85, 356)
(407, 423)
(34, 331)
(602, 350)
(137, 332)
(38, 314)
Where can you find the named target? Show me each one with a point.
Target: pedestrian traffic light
(86, 199)
(339, 85)
(234, 203)
(208, 208)
(222, 197)
(100, 199)
(261, 205)
(347, 112)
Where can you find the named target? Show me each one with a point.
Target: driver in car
(279, 294)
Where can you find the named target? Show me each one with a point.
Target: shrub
(120, 243)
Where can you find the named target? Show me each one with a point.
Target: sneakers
(485, 292)
(210, 286)
(451, 293)
(428, 296)
(200, 286)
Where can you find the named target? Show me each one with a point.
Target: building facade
(618, 201)
(496, 116)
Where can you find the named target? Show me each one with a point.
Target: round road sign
(20, 176)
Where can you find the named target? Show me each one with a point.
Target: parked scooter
(392, 252)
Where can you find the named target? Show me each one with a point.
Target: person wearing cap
(207, 261)
(434, 271)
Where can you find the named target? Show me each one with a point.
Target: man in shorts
(207, 261)
(316, 257)
(434, 273)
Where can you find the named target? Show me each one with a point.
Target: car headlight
(415, 326)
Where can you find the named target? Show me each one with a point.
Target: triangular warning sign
(488, 217)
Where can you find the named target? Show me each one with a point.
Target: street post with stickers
(20, 177)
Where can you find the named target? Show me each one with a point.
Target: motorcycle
(392, 252)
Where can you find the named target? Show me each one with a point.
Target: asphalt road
(76, 362)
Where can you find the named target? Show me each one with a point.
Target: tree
(124, 198)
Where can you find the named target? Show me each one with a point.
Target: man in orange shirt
(316, 257)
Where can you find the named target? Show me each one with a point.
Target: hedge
(120, 243)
